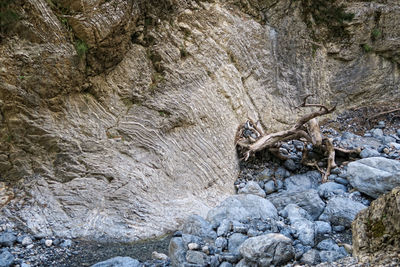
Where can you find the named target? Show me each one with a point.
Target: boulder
(241, 207)
(308, 200)
(301, 182)
(196, 225)
(177, 251)
(374, 176)
(376, 230)
(252, 187)
(266, 250)
(341, 211)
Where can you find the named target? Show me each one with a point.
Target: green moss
(376, 229)
(328, 14)
(81, 48)
(8, 15)
(375, 34)
(367, 48)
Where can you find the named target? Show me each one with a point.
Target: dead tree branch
(252, 138)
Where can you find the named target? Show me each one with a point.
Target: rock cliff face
(376, 230)
(118, 117)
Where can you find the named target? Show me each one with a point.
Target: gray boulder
(369, 152)
(196, 225)
(266, 250)
(7, 239)
(311, 257)
(329, 189)
(241, 207)
(252, 187)
(341, 211)
(119, 262)
(308, 200)
(177, 251)
(374, 176)
(330, 255)
(196, 257)
(235, 241)
(302, 182)
(6, 259)
(299, 220)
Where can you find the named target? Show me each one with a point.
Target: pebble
(193, 246)
(48, 242)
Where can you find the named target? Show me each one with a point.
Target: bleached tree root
(251, 138)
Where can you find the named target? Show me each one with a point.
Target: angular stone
(266, 250)
(341, 211)
(252, 187)
(241, 207)
(374, 176)
(177, 251)
(235, 241)
(196, 257)
(302, 182)
(196, 225)
(308, 200)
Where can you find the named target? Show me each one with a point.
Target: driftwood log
(251, 138)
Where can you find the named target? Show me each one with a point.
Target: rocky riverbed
(281, 215)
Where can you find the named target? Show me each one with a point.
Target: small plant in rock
(375, 34)
(367, 48)
(81, 48)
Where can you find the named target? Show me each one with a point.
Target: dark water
(86, 253)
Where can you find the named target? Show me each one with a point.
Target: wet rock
(269, 249)
(241, 207)
(235, 241)
(252, 187)
(290, 165)
(119, 261)
(308, 200)
(374, 176)
(341, 211)
(196, 225)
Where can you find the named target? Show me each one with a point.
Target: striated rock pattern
(118, 117)
(376, 230)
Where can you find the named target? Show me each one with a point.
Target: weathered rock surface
(241, 207)
(341, 211)
(118, 117)
(374, 176)
(376, 230)
(267, 250)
